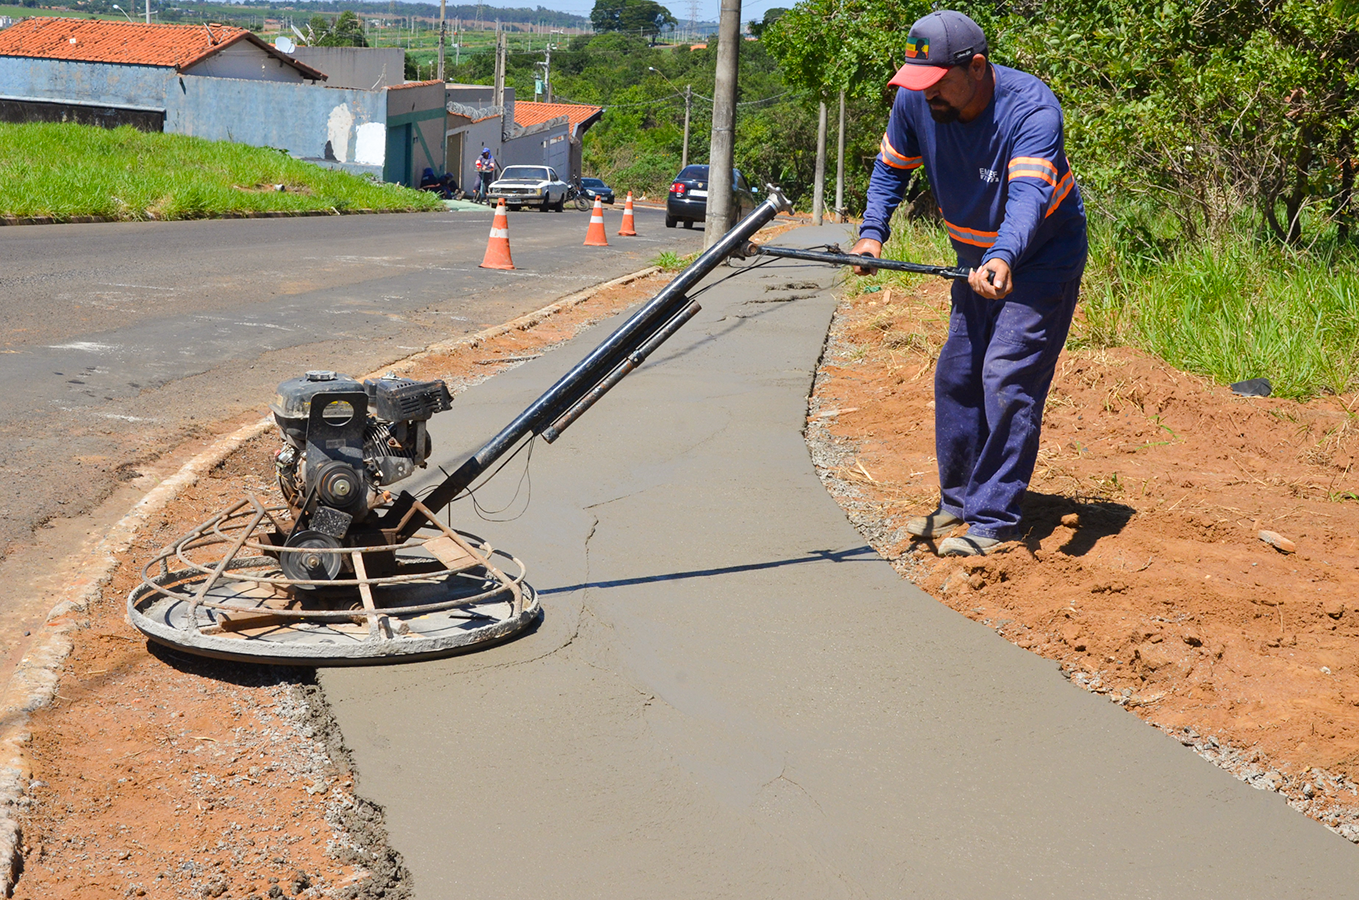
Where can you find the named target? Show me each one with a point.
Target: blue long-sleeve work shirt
(1002, 180)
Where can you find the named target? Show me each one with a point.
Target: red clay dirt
(1141, 568)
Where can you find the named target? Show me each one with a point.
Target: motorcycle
(575, 193)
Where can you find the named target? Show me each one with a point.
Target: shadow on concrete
(857, 554)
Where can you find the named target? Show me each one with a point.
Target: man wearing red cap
(990, 141)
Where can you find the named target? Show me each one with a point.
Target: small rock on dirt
(1071, 520)
(1278, 542)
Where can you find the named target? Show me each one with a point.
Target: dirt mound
(1141, 568)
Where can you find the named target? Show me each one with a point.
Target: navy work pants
(990, 385)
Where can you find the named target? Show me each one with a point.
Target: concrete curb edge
(34, 682)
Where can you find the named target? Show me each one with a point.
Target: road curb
(258, 214)
(35, 678)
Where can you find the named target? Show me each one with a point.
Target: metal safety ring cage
(220, 591)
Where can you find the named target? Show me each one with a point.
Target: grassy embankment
(63, 171)
(1231, 311)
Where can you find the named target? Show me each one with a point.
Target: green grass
(670, 261)
(1233, 310)
(1240, 309)
(910, 242)
(63, 170)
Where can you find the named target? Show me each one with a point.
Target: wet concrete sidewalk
(730, 695)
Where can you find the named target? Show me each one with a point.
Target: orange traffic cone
(627, 230)
(498, 247)
(596, 237)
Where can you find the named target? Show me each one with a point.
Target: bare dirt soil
(167, 776)
(1141, 568)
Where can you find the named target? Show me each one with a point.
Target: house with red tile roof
(215, 82)
(517, 133)
(209, 49)
(567, 123)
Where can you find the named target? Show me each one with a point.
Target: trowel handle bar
(849, 259)
(576, 385)
(630, 363)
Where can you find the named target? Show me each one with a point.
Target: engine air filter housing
(291, 405)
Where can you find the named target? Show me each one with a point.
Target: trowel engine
(344, 443)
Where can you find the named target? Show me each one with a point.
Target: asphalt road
(120, 341)
(729, 695)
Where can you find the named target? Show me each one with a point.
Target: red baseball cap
(937, 43)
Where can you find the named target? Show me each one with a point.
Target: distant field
(65, 171)
(20, 12)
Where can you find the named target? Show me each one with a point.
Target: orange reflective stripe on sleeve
(1063, 188)
(1027, 172)
(888, 154)
(1034, 162)
(971, 236)
(1033, 167)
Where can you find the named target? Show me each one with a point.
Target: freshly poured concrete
(731, 696)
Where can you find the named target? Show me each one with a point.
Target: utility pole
(688, 102)
(148, 11)
(819, 184)
(722, 153)
(442, 5)
(499, 68)
(546, 70)
(840, 165)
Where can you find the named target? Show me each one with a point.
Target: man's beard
(944, 112)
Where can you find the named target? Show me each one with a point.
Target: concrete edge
(34, 682)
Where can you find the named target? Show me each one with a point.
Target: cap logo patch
(917, 47)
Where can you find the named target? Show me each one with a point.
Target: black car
(596, 188)
(688, 199)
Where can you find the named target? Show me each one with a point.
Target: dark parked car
(594, 187)
(688, 200)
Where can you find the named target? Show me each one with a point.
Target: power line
(677, 96)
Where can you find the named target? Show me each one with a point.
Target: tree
(1214, 111)
(1236, 110)
(644, 17)
(345, 31)
(771, 16)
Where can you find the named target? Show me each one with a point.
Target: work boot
(932, 525)
(968, 545)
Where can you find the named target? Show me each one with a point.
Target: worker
(485, 174)
(991, 143)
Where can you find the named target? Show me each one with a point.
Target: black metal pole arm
(576, 384)
(849, 259)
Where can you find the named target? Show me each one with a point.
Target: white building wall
(246, 61)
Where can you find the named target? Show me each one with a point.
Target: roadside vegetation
(1215, 144)
(670, 261)
(64, 170)
(1230, 310)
